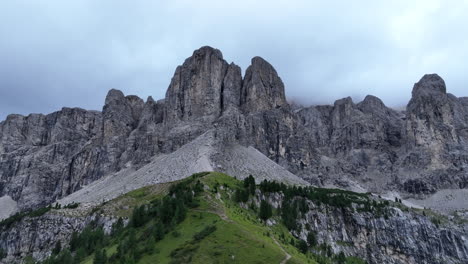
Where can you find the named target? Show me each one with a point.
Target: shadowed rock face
(45, 157)
(232, 85)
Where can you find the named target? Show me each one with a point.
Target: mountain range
(214, 119)
(360, 146)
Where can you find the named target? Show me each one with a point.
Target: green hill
(207, 218)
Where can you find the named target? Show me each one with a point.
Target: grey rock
(429, 85)
(39, 154)
(403, 237)
(232, 85)
(37, 236)
(262, 88)
(196, 88)
(435, 137)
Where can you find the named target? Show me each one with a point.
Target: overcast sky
(70, 53)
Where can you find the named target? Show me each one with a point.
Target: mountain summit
(207, 86)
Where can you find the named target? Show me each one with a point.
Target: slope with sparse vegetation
(211, 217)
(206, 218)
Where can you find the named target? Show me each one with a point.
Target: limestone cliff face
(435, 138)
(402, 237)
(45, 156)
(37, 236)
(421, 150)
(196, 90)
(262, 88)
(430, 113)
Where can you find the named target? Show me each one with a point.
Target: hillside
(233, 234)
(215, 218)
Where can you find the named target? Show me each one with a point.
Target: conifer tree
(312, 238)
(265, 210)
(57, 248)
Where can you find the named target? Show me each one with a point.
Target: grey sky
(70, 53)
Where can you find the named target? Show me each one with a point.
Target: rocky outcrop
(196, 90)
(45, 157)
(398, 236)
(41, 153)
(262, 88)
(430, 115)
(352, 142)
(435, 138)
(402, 238)
(37, 236)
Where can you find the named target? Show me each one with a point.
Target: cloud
(69, 53)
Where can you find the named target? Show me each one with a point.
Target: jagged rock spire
(196, 90)
(262, 88)
(430, 84)
(430, 114)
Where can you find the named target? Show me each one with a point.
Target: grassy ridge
(233, 241)
(213, 228)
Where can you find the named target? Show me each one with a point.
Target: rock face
(430, 113)
(196, 90)
(43, 157)
(37, 236)
(435, 138)
(362, 145)
(402, 237)
(262, 88)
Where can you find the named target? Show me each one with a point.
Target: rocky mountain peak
(117, 103)
(433, 116)
(205, 86)
(207, 51)
(121, 115)
(196, 89)
(430, 84)
(374, 106)
(114, 95)
(344, 101)
(262, 89)
(372, 102)
(342, 111)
